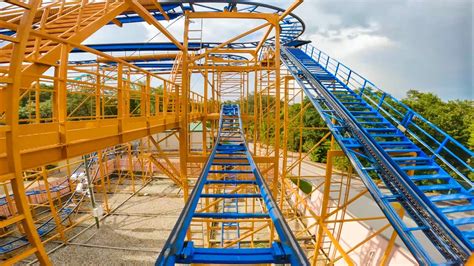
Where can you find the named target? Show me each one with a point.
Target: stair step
(399, 143)
(429, 177)
(229, 158)
(231, 182)
(463, 221)
(230, 196)
(230, 171)
(387, 135)
(402, 150)
(373, 123)
(391, 129)
(230, 215)
(468, 234)
(439, 187)
(407, 159)
(250, 256)
(450, 197)
(462, 208)
(230, 164)
(420, 167)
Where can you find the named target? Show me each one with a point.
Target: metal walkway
(231, 164)
(378, 134)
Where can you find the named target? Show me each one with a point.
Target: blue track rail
(420, 167)
(231, 164)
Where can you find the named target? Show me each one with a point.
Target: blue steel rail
(231, 163)
(437, 199)
(291, 27)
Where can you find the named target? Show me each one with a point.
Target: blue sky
(397, 44)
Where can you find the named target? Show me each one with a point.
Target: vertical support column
(61, 94)
(276, 170)
(131, 166)
(285, 139)
(146, 100)
(102, 172)
(37, 102)
(300, 126)
(260, 115)
(102, 79)
(165, 100)
(215, 107)
(214, 98)
(205, 111)
(127, 95)
(255, 110)
(97, 93)
(324, 204)
(247, 97)
(331, 154)
(184, 126)
(120, 101)
(54, 212)
(12, 96)
(143, 103)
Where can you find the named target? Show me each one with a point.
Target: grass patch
(304, 185)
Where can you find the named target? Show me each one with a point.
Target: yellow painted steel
(132, 113)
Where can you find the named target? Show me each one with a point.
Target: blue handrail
(377, 148)
(451, 153)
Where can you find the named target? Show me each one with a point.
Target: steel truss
(121, 110)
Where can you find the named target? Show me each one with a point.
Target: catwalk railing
(421, 167)
(231, 167)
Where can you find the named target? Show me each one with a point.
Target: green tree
(454, 117)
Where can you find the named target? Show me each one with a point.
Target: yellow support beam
(145, 14)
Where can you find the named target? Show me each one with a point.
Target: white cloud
(348, 42)
(215, 30)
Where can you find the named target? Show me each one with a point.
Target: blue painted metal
(230, 206)
(133, 18)
(383, 140)
(150, 46)
(230, 141)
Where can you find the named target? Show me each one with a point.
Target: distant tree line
(80, 104)
(455, 117)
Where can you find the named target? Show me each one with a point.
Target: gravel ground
(133, 235)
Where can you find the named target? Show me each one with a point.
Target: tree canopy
(455, 117)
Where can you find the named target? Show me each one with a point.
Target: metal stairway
(380, 143)
(231, 157)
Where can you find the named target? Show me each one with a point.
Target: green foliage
(470, 142)
(304, 185)
(80, 104)
(455, 117)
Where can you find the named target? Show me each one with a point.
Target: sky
(397, 44)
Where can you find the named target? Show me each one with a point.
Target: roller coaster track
(379, 150)
(422, 169)
(231, 164)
